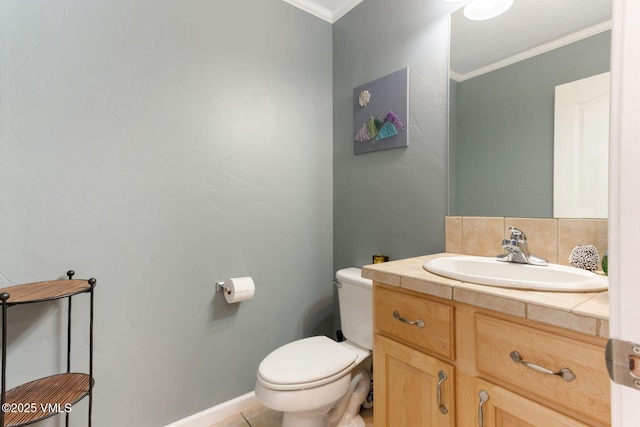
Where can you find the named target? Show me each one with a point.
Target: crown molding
(313, 9)
(563, 41)
(323, 13)
(344, 9)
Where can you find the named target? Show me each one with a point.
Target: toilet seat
(305, 363)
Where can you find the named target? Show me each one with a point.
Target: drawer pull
(442, 377)
(565, 373)
(419, 323)
(484, 396)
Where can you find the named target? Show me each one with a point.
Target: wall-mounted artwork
(380, 113)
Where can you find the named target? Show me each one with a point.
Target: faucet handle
(517, 234)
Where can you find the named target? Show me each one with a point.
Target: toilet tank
(355, 296)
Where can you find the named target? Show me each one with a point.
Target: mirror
(503, 74)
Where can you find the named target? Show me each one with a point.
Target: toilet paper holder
(221, 287)
(236, 289)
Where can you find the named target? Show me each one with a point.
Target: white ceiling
(529, 27)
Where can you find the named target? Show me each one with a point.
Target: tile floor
(264, 417)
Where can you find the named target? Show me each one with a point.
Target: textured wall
(395, 201)
(161, 146)
(504, 131)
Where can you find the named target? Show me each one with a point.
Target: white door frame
(624, 197)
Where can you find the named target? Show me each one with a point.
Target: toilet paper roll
(239, 289)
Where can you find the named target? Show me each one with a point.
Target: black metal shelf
(48, 396)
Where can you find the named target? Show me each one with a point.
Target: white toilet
(318, 382)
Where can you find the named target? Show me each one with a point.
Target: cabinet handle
(442, 377)
(565, 373)
(419, 323)
(484, 396)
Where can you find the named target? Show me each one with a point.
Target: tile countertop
(586, 312)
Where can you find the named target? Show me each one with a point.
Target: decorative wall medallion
(364, 98)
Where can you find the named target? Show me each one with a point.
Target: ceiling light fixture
(480, 10)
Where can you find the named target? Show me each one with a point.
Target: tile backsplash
(549, 238)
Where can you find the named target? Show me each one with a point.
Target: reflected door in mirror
(581, 148)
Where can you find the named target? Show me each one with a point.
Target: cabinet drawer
(587, 393)
(434, 335)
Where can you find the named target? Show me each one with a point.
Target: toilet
(316, 381)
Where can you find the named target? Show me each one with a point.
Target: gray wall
(161, 146)
(502, 144)
(394, 201)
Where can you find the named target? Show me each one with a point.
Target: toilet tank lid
(306, 360)
(353, 275)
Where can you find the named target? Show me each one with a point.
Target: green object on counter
(605, 263)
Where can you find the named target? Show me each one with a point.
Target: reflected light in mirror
(479, 10)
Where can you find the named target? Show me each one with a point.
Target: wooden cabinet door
(502, 408)
(411, 389)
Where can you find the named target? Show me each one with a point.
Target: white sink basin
(491, 272)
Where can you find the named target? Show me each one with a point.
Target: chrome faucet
(517, 251)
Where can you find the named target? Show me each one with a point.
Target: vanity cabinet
(500, 370)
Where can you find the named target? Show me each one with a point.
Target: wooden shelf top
(44, 397)
(45, 291)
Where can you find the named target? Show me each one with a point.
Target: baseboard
(219, 412)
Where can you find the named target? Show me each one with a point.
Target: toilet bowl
(316, 381)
